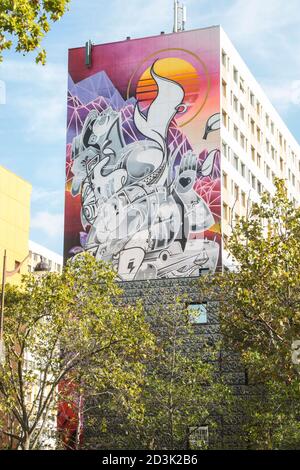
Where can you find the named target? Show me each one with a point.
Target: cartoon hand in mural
(186, 174)
(198, 213)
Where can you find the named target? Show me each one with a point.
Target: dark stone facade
(163, 292)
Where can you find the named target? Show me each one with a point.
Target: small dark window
(198, 437)
(246, 377)
(198, 313)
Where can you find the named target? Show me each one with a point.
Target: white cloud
(50, 224)
(37, 96)
(257, 16)
(22, 71)
(283, 93)
(44, 117)
(48, 197)
(268, 31)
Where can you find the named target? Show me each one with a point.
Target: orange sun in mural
(178, 70)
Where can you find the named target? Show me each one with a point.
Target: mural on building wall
(143, 156)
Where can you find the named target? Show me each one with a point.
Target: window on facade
(243, 197)
(252, 98)
(272, 127)
(235, 104)
(224, 88)
(198, 437)
(198, 313)
(258, 107)
(225, 211)
(225, 180)
(273, 153)
(267, 121)
(293, 157)
(242, 112)
(249, 176)
(243, 169)
(258, 160)
(258, 133)
(281, 164)
(253, 153)
(236, 162)
(242, 85)
(252, 123)
(224, 149)
(224, 118)
(235, 132)
(236, 192)
(235, 75)
(253, 182)
(259, 187)
(224, 58)
(267, 171)
(243, 141)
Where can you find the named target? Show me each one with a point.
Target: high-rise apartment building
(14, 222)
(256, 145)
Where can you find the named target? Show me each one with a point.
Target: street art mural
(143, 156)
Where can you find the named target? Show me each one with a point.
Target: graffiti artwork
(143, 161)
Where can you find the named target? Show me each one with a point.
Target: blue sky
(32, 121)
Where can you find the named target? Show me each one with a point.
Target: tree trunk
(26, 442)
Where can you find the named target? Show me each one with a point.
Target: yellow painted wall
(14, 221)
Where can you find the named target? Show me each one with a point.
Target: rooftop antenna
(179, 17)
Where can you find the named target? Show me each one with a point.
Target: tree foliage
(67, 328)
(182, 390)
(26, 22)
(259, 306)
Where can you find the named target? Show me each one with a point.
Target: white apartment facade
(48, 438)
(256, 145)
(38, 252)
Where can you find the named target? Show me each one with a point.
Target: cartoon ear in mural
(161, 111)
(208, 164)
(114, 142)
(87, 136)
(213, 124)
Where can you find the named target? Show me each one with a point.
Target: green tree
(259, 307)
(70, 329)
(26, 22)
(182, 391)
